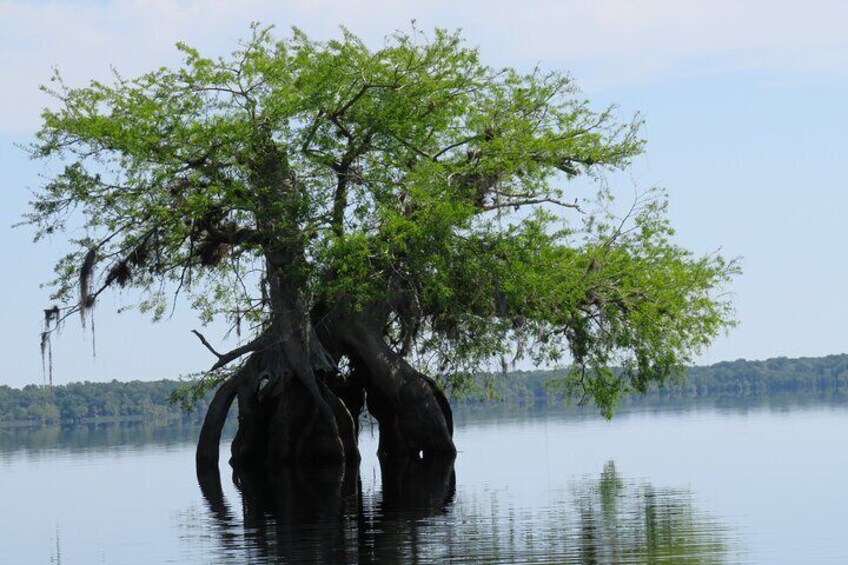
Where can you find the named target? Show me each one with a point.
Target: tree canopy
(411, 185)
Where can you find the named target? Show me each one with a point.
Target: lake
(676, 484)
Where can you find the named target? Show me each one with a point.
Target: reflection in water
(94, 437)
(56, 554)
(306, 516)
(303, 516)
(638, 523)
(299, 517)
(403, 524)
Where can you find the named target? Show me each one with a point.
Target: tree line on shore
(733, 379)
(88, 402)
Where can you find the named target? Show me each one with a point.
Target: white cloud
(607, 41)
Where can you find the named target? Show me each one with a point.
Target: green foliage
(197, 389)
(413, 175)
(95, 402)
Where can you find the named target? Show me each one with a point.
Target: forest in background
(150, 401)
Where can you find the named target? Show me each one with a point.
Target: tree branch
(225, 358)
(353, 100)
(531, 201)
(459, 143)
(313, 129)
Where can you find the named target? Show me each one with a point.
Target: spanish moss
(86, 277)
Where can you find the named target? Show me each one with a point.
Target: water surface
(677, 486)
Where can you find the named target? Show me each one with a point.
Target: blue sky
(745, 120)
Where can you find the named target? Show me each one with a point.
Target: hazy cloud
(607, 42)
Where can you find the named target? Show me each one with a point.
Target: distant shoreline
(149, 401)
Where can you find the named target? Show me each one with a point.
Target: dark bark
(206, 456)
(293, 417)
(414, 415)
(351, 391)
(295, 407)
(287, 413)
(280, 422)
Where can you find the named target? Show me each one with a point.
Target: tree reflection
(400, 526)
(303, 517)
(308, 515)
(621, 522)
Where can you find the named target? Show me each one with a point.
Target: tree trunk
(296, 408)
(287, 413)
(280, 421)
(414, 416)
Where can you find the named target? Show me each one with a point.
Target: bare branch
(530, 201)
(225, 358)
(206, 343)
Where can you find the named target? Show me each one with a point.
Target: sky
(745, 118)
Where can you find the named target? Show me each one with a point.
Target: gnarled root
(414, 415)
(280, 420)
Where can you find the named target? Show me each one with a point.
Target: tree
(366, 217)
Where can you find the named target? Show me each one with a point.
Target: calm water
(694, 485)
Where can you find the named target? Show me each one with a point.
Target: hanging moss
(86, 277)
(120, 273)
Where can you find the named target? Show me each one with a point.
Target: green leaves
(411, 175)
